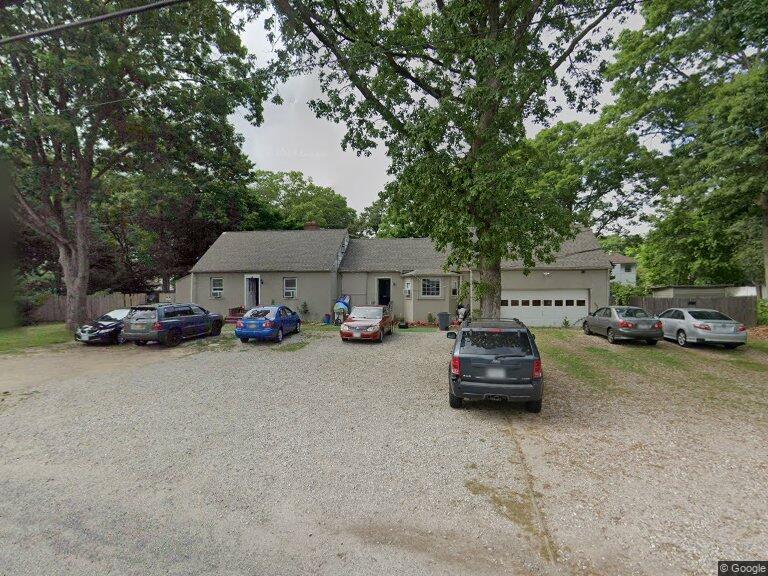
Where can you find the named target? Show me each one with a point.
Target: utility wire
(89, 21)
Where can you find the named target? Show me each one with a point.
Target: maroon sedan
(367, 323)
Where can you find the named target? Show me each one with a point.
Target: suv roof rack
(520, 323)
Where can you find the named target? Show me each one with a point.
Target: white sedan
(701, 326)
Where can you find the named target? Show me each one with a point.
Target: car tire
(216, 329)
(172, 339)
(533, 406)
(586, 329)
(279, 337)
(140, 342)
(454, 401)
(731, 346)
(118, 338)
(682, 339)
(611, 337)
(652, 342)
(244, 340)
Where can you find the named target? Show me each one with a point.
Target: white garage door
(545, 307)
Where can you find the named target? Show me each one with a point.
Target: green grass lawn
(16, 339)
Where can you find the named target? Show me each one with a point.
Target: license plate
(355, 334)
(495, 372)
(137, 326)
(643, 325)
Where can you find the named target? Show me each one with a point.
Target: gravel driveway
(339, 459)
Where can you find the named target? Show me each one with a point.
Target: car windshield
(142, 314)
(114, 316)
(632, 313)
(484, 342)
(366, 313)
(708, 315)
(261, 313)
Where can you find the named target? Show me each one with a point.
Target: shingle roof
(583, 252)
(390, 254)
(617, 258)
(273, 250)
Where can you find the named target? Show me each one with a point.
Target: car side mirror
(451, 335)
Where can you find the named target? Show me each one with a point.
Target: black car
(106, 329)
(169, 324)
(495, 360)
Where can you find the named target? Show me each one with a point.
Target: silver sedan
(623, 323)
(702, 326)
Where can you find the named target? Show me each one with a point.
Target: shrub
(762, 312)
(304, 308)
(621, 293)
(566, 323)
(430, 318)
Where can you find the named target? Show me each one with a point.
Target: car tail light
(742, 328)
(157, 326)
(658, 325)
(702, 326)
(455, 365)
(239, 324)
(269, 324)
(625, 324)
(537, 372)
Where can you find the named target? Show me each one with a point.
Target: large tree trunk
(490, 288)
(75, 266)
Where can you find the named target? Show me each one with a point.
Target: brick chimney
(311, 225)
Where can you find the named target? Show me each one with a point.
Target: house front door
(252, 292)
(385, 291)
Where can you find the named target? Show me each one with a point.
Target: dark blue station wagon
(169, 324)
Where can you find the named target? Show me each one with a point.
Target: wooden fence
(741, 308)
(54, 309)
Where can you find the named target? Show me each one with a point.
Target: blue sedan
(267, 323)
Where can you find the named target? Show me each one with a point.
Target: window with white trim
(431, 288)
(454, 287)
(217, 287)
(289, 288)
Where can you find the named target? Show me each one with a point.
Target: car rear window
(632, 313)
(142, 314)
(708, 315)
(491, 342)
(261, 313)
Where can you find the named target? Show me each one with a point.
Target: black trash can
(443, 320)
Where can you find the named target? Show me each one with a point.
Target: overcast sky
(291, 138)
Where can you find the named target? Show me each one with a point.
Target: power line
(88, 21)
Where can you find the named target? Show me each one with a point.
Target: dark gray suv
(169, 324)
(495, 360)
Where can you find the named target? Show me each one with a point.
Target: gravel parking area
(336, 459)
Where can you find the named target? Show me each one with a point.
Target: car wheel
(586, 329)
(173, 338)
(118, 338)
(533, 406)
(611, 336)
(216, 329)
(140, 342)
(682, 338)
(731, 346)
(244, 340)
(652, 342)
(454, 401)
(279, 336)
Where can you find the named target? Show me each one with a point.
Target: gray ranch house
(316, 266)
